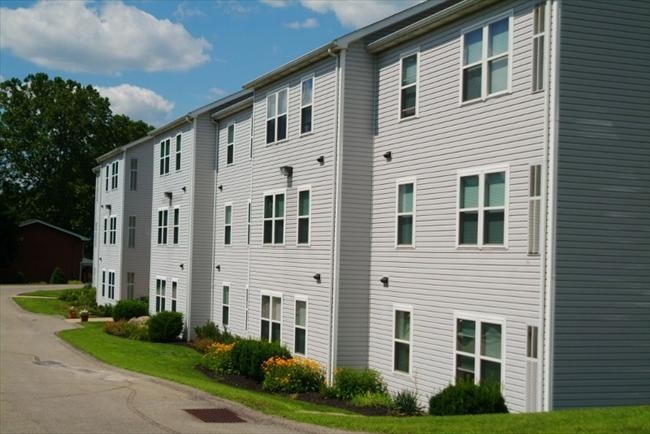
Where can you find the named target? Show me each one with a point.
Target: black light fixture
(182, 266)
(109, 207)
(388, 155)
(184, 189)
(287, 171)
(218, 267)
(317, 277)
(321, 160)
(384, 280)
(220, 187)
(169, 195)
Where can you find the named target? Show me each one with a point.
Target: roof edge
(32, 221)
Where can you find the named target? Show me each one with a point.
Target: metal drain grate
(215, 415)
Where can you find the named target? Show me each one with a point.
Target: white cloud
(309, 23)
(236, 7)
(184, 10)
(73, 36)
(358, 13)
(276, 3)
(138, 103)
(216, 92)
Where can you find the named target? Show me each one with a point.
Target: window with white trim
(176, 225)
(161, 288)
(304, 215)
(178, 152)
(162, 226)
(225, 304)
(532, 333)
(114, 174)
(227, 225)
(276, 116)
(539, 33)
(479, 349)
(306, 105)
(130, 285)
(164, 156)
(230, 148)
(107, 176)
(482, 219)
(103, 283)
(105, 229)
(111, 285)
(131, 232)
(174, 294)
(271, 314)
(112, 235)
(409, 65)
(248, 224)
(274, 218)
(405, 221)
(133, 176)
(300, 327)
(534, 208)
(486, 58)
(402, 340)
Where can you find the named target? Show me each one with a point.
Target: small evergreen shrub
(466, 397)
(105, 310)
(218, 359)
(406, 403)
(249, 354)
(165, 326)
(211, 331)
(295, 375)
(373, 400)
(127, 309)
(57, 276)
(350, 382)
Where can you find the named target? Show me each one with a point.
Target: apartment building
(459, 191)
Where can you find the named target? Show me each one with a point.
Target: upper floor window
(133, 178)
(479, 347)
(113, 232)
(307, 103)
(227, 229)
(534, 208)
(304, 215)
(162, 226)
(107, 176)
(539, 30)
(486, 59)
(114, 173)
(178, 152)
(131, 233)
(105, 229)
(408, 85)
(276, 116)
(164, 156)
(248, 224)
(405, 233)
(177, 224)
(230, 148)
(482, 208)
(274, 218)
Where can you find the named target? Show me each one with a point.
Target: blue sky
(157, 60)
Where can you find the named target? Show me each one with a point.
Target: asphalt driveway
(48, 387)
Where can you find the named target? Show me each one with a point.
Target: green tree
(51, 132)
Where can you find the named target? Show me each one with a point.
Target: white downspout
(189, 288)
(251, 155)
(214, 216)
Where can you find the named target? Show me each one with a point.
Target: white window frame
(130, 285)
(178, 143)
(133, 175)
(274, 218)
(481, 172)
(230, 144)
(479, 319)
(115, 171)
(532, 342)
(112, 234)
(398, 182)
(311, 77)
(163, 219)
(165, 150)
(298, 216)
(538, 40)
(176, 226)
(276, 95)
(104, 282)
(271, 295)
(160, 294)
(416, 52)
(111, 284)
(485, 24)
(305, 299)
(173, 297)
(402, 308)
(131, 232)
(531, 200)
(225, 285)
(227, 225)
(105, 230)
(107, 172)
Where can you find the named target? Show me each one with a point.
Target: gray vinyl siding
(436, 278)
(356, 207)
(602, 287)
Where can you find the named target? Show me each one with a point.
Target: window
(307, 104)
(478, 360)
(114, 173)
(131, 240)
(271, 328)
(248, 224)
(276, 116)
(225, 304)
(300, 329)
(105, 229)
(103, 283)
(107, 176)
(162, 226)
(112, 236)
(531, 342)
(534, 208)
(539, 30)
(227, 229)
(178, 152)
(133, 178)
(164, 157)
(274, 218)
(230, 149)
(482, 212)
(408, 85)
(405, 233)
(130, 285)
(174, 294)
(486, 60)
(304, 212)
(177, 222)
(111, 285)
(161, 286)
(402, 340)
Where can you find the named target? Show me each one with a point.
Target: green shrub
(105, 310)
(218, 359)
(57, 276)
(372, 399)
(127, 329)
(407, 404)
(127, 309)
(211, 331)
(249, 354)
(165, 326)
(202, 345)
(84, 298)
(295, 375)
(466, 397)
(350, 382)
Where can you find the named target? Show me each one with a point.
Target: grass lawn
(46, 293)
(176, 363)
(49, 306)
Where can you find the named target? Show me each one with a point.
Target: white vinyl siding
(276, 116)
(131, 232)
(409, 82)
(479, 348)
(304, 216)
(271, 317)
(306, 105)
(405, 212)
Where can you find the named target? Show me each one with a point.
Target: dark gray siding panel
(602, 316)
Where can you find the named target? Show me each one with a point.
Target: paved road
(48, 387)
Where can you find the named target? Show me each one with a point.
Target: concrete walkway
(48, 387)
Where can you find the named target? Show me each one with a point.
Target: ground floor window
(103, 283)
(271, 326)
(300, 329)
(225, 304)
(402, 339)
(174, 294)
(161, 287)
(111, 285)
(479, 349)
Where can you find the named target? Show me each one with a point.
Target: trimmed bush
(407, 404)
(466, 397)
(218, 359)
(211, 331)
(295, 375)
(57, 276)
(165, 326)
(350, 382)
(105, 310)
(127, 309)
(372, 400)
(249, 354)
